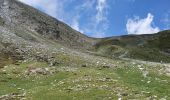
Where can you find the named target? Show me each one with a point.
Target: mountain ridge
(24, 16)
(144, 47)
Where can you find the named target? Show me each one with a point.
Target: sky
(104, 18)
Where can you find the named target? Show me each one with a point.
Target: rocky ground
(68, 74)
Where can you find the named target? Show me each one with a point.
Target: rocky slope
(41, 55)
(26, 33)
(24, 19)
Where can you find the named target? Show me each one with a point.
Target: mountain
(20, 18)
(30, 25)
(42, 58)
(154, 47)
(25, 31)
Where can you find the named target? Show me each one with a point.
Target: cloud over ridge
(141, 26)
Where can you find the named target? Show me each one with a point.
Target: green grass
(148, 54)
(133, 77)
(71, 81)
(1, 21)
(5, 60)
(143, 47)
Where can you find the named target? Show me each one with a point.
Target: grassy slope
(144, 47)
(71, 81)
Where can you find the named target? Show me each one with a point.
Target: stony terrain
(42, 58)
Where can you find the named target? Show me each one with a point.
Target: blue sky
(103, 18)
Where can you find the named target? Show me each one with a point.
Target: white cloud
(75, 25)
(99, 22)
(50, 7)
(94, 12)
(141, 26)
(101, 10)
(87, 5)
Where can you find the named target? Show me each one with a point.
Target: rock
(119, 98)
(19, 88)
(12, 96)
(5, 66)
(53, 63)
(32, 71)
(41, 71)
(145, 73)
(148, 81)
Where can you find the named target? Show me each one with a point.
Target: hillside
(20, 18)
(153, 47)
(41, 58)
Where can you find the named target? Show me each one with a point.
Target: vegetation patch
(1, 21)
